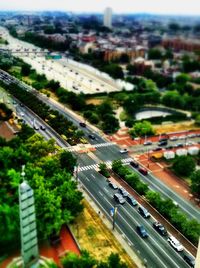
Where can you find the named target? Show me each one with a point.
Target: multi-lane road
(155, 249)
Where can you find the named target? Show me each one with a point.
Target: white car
(173, 138)
(147, 143)
(123, 151)
(175, 243)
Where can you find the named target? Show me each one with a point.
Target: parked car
(142, 231)
(189, 259)
(193, 135)
(131, 200)
(159, 228)
(119, 198)
(122, 191)
(123, 151)
(112, 185)
(144, 212)
(82, 124)
(182, 137)
(134, 164)
(157, 149)
(162, 143)
(143, 171)
(175, 243)
(173, 138)
(146, 143)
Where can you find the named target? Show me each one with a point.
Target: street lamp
(113, 213)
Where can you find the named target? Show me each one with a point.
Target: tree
(141, 129)
(67, 161)
(184, 165)
(182, 79)
(103, 170)
(197, 120)
(195, 182)
(72, 260)
(173, 99)
(25, 69)
(154, 54)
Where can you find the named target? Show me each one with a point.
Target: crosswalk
(105, 144)
(108, 164)
(88, 146)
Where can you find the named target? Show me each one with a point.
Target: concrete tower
(107, 20)
(29, 242)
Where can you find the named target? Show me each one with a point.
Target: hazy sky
(119, 6)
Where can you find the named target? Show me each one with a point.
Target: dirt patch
(94, 101)
(96, 238)
(175, 127)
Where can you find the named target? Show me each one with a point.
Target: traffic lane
(125, 215)
(99, 198)
(110, 153)
(157, 185)
(155, 239)
(84, 160)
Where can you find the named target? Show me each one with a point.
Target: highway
(72, 75)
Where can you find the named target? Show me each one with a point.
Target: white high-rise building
(107, 20)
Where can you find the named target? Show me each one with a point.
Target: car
(157, 149)
(162, 143)
(122, 191)
(169, 147)
(179, 145)
(182, 137)
(159, 228)
(36, 127)
(143, 171)
(131, 200)
(22, 114)
(112, 185)
(144, 212)
(42, 127)
(91, 136)
(82, 124)
(134, 164)
(119, 198)
(193, 135)
(189, 259)
(123, 151)
(146, 143)
(198, 135)
(175, 243)
(21, 104)
(142, 231)
(173, 138)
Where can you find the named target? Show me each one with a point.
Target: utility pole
(113, 213)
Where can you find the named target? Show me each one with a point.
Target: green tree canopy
(184, 165)
(141, 129)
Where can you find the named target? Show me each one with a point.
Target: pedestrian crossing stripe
(108, 164)
(77, 148)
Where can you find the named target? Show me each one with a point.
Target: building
(107, 20)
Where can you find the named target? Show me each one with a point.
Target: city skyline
(127, 6)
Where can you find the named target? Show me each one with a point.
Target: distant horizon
(154, 7)
(100, 13)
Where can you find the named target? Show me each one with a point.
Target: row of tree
(56, 120)
(190, 228)
(49, 172)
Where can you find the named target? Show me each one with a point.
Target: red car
(143, 171)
